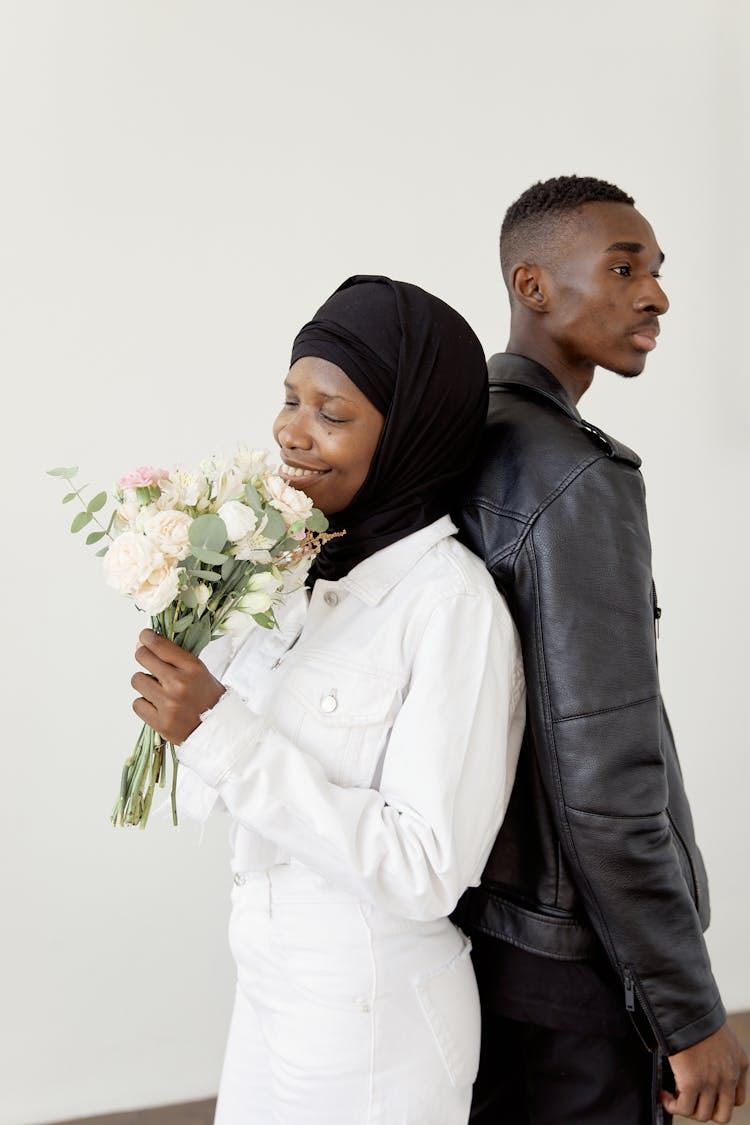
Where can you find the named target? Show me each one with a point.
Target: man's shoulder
(531, 447)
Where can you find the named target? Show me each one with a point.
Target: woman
(366, 749)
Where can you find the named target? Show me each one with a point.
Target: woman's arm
(416, 843)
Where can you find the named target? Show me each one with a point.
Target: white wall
(182, 184)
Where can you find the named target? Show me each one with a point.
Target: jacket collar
(508, 369)
(377, 575)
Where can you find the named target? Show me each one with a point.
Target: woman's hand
(177, 689)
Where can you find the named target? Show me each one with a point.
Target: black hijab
(421, 365)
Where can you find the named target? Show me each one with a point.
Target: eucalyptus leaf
(297, 527)
(253, 498)
(97, 503)
(66, 474)
(275, 526)
(68, 497)
(212, 558)
(206, 575)
(95, 536)
(80, 521)
(316, 521)
(209, 533)
(100, 554)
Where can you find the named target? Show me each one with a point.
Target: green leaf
(228, 569)
(209, 533)
(253, 498)
(95, 536)
(80, 521)
(68, 497)
(296, 528)
(206, 575)
(265, 620)
(143, 495)
(197, 636)
(211, 558)
(102, 553)
(182, 623)
(275, 526)
(189, 597)
(316, 521)
(111, 520)
(65, 473)
(97, 503)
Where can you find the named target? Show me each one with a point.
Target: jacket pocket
(342, 715)
(449, 1000)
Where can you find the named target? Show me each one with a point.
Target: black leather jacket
(598, 842)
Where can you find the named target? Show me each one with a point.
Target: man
(588, 924)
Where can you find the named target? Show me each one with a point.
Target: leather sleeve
(583, 598)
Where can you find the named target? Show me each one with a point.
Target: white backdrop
(183, 183)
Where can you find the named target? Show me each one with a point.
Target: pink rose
(144, 477)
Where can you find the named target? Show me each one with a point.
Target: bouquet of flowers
(204, 552)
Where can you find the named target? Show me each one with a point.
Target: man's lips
(644, 337)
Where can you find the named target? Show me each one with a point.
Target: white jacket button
(330, 598)
(328, 703)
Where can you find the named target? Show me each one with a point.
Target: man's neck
(576, 380)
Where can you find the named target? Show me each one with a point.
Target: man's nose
(652, 298)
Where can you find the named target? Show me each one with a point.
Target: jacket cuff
(696, 1031)
(225, 736)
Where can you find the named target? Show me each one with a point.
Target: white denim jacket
(374, 736)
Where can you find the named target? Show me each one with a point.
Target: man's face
(604, 296)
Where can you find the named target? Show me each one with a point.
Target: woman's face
(328, 432)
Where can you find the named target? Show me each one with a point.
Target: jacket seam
(607, 710)
(542, 507)
(606, 935)
(700, 1019)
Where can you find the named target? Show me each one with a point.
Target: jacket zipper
(627, 977)
(657, 611)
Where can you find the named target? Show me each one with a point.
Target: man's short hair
(535, 222)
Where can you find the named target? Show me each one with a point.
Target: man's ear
(528, 287)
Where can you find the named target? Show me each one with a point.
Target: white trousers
(344, 1015)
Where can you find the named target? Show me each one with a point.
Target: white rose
(169, 531)
(153, 597)
(293, 504)
(239, 518)
(133, 561)
(202, 594)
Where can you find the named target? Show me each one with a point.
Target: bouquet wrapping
(204, 552)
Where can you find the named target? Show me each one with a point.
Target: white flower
(239, 518)
(251, 463)
(184, 489)
(154, 597)
(258, 598)
(202, 594)
(293, 504)
(169, 531)
(131, 516)
(132, 562)
(254, 547)
(224, 479)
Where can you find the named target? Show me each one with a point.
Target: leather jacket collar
(508, 369)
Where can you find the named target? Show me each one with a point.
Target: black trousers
(530, 1075)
